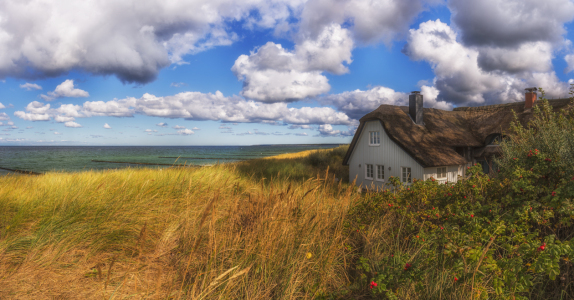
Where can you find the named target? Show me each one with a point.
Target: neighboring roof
(433, 143)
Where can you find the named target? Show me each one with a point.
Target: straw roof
(433, 144)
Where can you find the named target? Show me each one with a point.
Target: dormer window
(374, 138)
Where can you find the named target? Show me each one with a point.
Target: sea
(40, 159)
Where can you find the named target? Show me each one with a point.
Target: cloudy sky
(226, 72)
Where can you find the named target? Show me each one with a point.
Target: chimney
(416, 107)
(530, 97)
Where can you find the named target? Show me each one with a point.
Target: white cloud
(32, 116)
(328, 130)
(62, 119)
(273, 74)
(185, 132)
(4, 116)
(106, 126)
(460, 80)
(149, 130)
(2, 105)
(301, 134)
(190, 106)
(30, 86)
(511, 23)
(65, 89)
(57, 133)
(129, 39)
(72, 124)
(195, 128)
(161, 124)
(178, 127)
(370, 21)
(570, 63)
(29, 127)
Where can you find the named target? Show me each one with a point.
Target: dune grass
(235, 231)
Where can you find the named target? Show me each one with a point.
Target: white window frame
(438, 173)
(379, 169)
(374, 138)
(367, 168)
(406, 170)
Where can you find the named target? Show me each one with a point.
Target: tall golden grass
(177, 233)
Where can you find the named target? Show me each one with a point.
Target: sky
(251, 72)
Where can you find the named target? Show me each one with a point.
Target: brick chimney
(416, 107)
(530, 97)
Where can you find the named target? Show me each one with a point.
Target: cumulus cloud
(72, 124)
(179, 127)
(107, 126)
(328, 130)
(2, 105)
(370, 21)
(30, 86)
(274, 74)
(62, 119)
(65, 89)
(185, 132)
(32, 116)
(460, 80)
(570, 63)
(195, 128)
(190, 106)
(125, 38)
(4, 116)
(161, 124)
(357, 103)
(301, 134)
(511, 23)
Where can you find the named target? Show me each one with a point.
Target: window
(369, 171)
(441, 172)
(380, 173)
(406, 174)
(374, 138)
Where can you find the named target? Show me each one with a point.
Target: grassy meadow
(260, 229)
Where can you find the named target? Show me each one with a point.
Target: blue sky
(263, 72)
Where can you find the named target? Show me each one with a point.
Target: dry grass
(301, 154)
(205, 233)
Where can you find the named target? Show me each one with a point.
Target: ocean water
(77, 158)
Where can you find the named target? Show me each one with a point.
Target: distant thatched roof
(433, 144)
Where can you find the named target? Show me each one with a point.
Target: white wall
(388, 153)
(452, 173)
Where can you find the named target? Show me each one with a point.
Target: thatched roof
(433, 143)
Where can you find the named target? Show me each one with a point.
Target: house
(415, 142)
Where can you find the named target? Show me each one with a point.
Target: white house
(416, 142)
